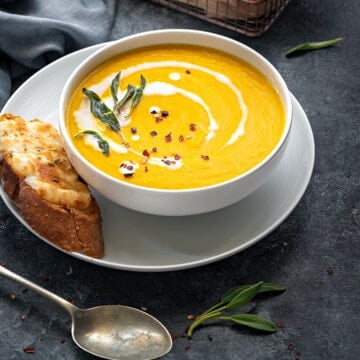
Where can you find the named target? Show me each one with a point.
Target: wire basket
(249, 17)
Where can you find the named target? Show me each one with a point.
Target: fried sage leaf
(101, 111)
(313, 46)
(103, 144)
(139, 92)
(130, 92)
(115, 87)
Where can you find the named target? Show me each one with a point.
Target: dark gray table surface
(314, 252)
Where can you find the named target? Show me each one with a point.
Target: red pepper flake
(133, 130)
(175, 336)
(164, 113)
(330, 271)
(166, 162)
(280, 325)
(62, 341)
(297, 356)
(158, 119)
(145, 153)
(153, 133)
(177, 156)
(205, 157)
(187, 347)
(44, 277)
(154, 149)
(4, 263)
(209, 337)
(146, 168)
(181, 138)
(188, 71)
(29, 350)
(168, 137)
(12, 296)
(128, 175)
(127, 145)
(291, 346)
(192, 127)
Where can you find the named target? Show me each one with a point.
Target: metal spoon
(112, 332)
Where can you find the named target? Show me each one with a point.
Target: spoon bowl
(120, 332)
(113, 332)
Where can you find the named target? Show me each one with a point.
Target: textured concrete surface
(314, 252)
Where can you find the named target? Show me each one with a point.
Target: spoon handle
(40, 290)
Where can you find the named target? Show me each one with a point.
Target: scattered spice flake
(330, 271)
(133, 130)
(143, 308)
(177, 156)
(187, 347)
(71, 300)
(12, 297)
(209, 337)
(164, 113)
(145, 153)
(153, 133)
(44, 277)
(154, 149)
(280, 325)
(175, 336)
(4, 263)
(154, 112)
(190, 317)
(205, 157)
(291, 346)
(62, 341)
(168, 137)
(181, 138)
(192, 127)
(127, 145)
(297, 356)
(29, 350)
(188, 71)
(158, 119)
(146, 168)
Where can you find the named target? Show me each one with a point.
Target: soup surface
(175, 117)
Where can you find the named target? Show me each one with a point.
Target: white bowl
(182, 201)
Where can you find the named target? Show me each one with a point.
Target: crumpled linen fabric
(34, 33)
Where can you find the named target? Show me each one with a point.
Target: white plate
(141, 242)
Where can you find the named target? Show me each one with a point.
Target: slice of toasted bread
(38, 176)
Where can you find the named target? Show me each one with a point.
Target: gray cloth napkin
(33, 33)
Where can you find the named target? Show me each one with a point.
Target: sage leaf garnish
(313, 46)
(115, 87)
(237, 298)
(103, 144)
(130, 92)
(101, 111)
(139, 92)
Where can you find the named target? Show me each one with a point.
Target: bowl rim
(286, 99)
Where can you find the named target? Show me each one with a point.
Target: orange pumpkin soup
(175, 117)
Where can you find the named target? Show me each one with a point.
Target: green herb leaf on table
(236, 298)
(313, 46)
(101, 111)
(103, 144)
(252, 321)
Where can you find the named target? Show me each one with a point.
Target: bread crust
(72, 222)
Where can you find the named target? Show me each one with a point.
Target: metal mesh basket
(249, 17)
